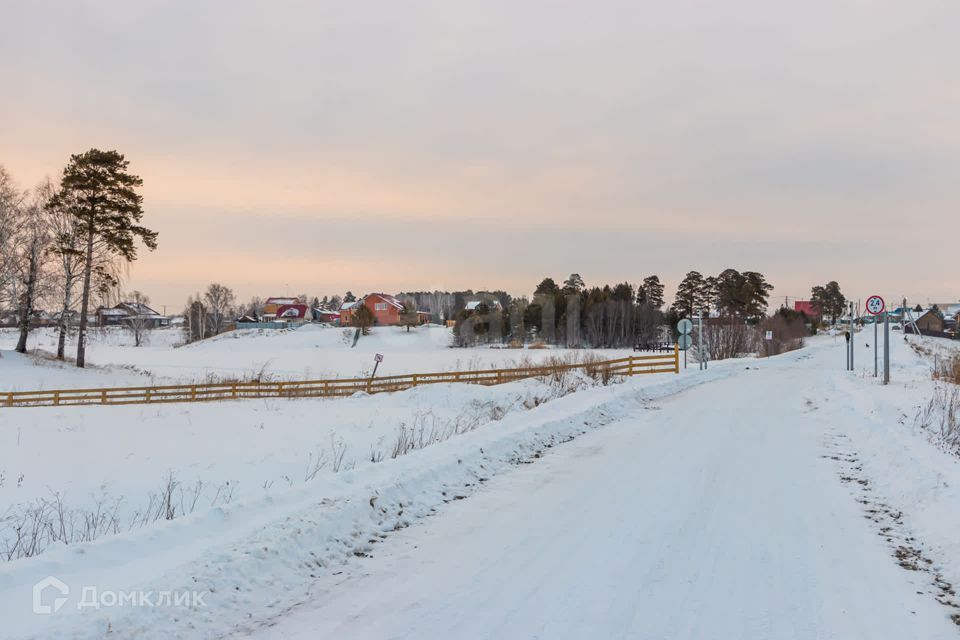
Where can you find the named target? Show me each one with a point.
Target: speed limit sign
(875, 305)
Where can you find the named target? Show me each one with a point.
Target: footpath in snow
(748, 501)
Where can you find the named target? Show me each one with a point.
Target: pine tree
(98, 189)
(574, 284)
(829, 300)
(653, 291)
(363, 317)
(689, 298)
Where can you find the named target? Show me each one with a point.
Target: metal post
(886, 347)
(876, 349)
(851, 336)
(700, 349)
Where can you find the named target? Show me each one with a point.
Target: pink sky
(318, 147)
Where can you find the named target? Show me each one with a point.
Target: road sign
(685, 326)
(769, 335)
(378, 357)
(684, 341)
(875, 305)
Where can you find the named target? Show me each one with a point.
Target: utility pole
(851, 336)
(702, 349)
(886, 347)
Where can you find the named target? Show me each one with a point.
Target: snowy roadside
(253, 558)
(908, 484)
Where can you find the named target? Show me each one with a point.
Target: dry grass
(947, 369)
(940, 417)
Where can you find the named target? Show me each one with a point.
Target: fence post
(279, 389)
(103, 397)
(193, 393)
(148, 396)
(233, 390)
(56, 398)
(676, 358)
(10, 399)
(414, 379)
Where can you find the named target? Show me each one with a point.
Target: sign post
(377, 359)
(886, 347)
(702, 346)
(876, 306)
(684, 340)
(850, 342)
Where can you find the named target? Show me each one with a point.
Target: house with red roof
(808, 308)
(386, 310)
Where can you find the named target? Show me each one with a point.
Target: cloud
(810, 141)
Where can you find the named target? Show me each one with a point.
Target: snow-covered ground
(764, 498)
(310, 352)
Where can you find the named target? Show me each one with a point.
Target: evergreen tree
(829, 300)
(653, 291)
(363, 317)
(98, 189)
(574, 283)
(757, 292)
(349, 297)
(689, 298)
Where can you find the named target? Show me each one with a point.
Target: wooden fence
(633, 365)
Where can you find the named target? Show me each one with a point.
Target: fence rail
(632, 365)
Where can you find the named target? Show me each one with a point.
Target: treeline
(614, 315)
(446, 305)
(66, 242)
(730, 293)
(570, 314)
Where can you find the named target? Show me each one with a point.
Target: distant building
(294, 312)
(929, 321)
(325, 315)
(386, 310)
(808, 308)
(127, 312)
(346, 312)
(493, 305)
(272, 305)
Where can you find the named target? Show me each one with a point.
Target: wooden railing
(633, 365)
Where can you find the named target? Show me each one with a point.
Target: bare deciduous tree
(139, 322)
(30, 257)
(220, 300)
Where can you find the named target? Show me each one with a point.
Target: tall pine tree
(100, 192)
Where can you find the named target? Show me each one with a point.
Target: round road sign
(684, 326)
(684, 341)
(875, 305)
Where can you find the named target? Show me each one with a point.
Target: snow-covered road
(714, 513)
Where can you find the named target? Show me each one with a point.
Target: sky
(318, 147)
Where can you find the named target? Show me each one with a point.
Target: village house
(808, 308)
(272, 306)
(492, 305)
(293, 313)
(929, 321)
(325, 315)
(126, 312)
(386, 310)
